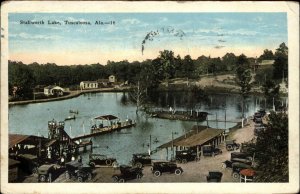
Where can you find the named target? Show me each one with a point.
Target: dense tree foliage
(281, 62)
(243, 75)
(267, 55)
(150, 73)
(272, 150)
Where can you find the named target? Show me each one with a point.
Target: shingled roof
(193, 138)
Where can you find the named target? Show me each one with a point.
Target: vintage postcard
(164, 97)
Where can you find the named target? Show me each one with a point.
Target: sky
(196, 34)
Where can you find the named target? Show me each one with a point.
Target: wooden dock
(104, 130)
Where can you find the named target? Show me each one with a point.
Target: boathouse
(53, 90)
(88, 85)
(196, 139)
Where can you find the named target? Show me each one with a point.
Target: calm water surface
(32, 119)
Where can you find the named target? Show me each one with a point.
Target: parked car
(209, 150)
(98, 159)
(228, 163)
(240, 155)
(140, 160)
(28, 163)
(160, 167)
(258, 128)
(49, 172)
(75, 169)
(186, 155)
(248, 149)
(214, 176)
(257, 115)
(237, 167)
(128, 173)
(262, 112)
(232, 145)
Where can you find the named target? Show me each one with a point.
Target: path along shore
(71, 95)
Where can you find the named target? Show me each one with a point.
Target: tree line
(150, 72)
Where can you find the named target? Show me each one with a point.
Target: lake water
(32, 119)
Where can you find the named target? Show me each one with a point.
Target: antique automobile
(241, 155)
(214, 176)
(100, 160)
(186, 155)
(228, 163)
(209, 150)
(128, 173)
(258, 128)
(140, 160)
(231, 145)
(257, 117)
(237, 167)
(49, 172)
(28, 163)
(248, 149)
(160, 167)
(75, 169)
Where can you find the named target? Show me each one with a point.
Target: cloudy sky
(196, 34)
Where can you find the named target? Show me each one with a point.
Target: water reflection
(32, 118)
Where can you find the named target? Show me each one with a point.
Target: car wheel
(68, 175)
(115, 178)
(139, 176)
(42, 178)
(184, 161)
(80, 179)
(114, 164)
(235, 175)
(178, 161)
(108, 162)
(228, 147)
(157, 173)
(224, 165)
(90, 176)
(122, 180)
(92, 164)
(50, 177)
(139, 165)
(178, 171)
(250, 158)
(34, 170)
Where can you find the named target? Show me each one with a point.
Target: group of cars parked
(258, 120)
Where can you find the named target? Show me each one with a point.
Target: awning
(106, 117)
(50, 143)
(15, 139)
(194, 138)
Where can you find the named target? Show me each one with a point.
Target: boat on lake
(73, 111)
(70, 118)
(179, 115)
(108, 123)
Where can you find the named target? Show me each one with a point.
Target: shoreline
(72, 94)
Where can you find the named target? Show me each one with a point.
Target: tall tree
(21, 80)
(267, 55)
(167, 61)
(229, 60)
(281, 62)
(243, 77)
(272, 151)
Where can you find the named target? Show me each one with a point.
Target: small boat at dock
(73, 111)
(70, 118)
(179, 115)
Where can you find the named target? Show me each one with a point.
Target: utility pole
(172, 146)
(150, 145)
(225, 118)
(217, 119)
